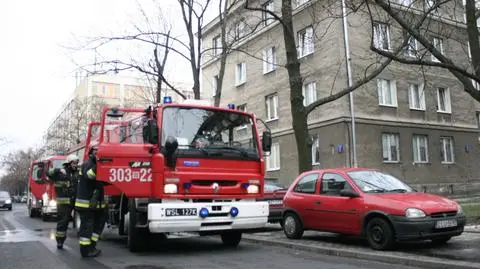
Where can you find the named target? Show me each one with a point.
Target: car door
(303, 198)
(334, 212)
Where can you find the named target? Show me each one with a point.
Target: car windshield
(378, 182)
(210, 133)
(58, 163)
(4, 194)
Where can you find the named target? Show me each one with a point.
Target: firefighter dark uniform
(65, 181)
(91, 206)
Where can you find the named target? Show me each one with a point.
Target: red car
(369, 203)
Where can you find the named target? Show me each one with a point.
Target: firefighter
(65, 180)
(91, 207)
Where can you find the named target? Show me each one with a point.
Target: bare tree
(299, 111)
(16, 165)
(441, 33)
(156, 36)
(71, 127)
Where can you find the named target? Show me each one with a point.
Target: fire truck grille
(208, 182)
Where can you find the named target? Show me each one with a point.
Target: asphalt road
(29, 243)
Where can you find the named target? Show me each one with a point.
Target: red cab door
(334, 212)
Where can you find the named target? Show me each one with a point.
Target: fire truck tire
(231, 238)
(31, 213)
(136, 236)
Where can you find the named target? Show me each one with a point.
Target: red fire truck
(183, 168)
(41, 192)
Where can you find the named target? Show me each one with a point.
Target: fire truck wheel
(31, 213)
(231, 238)
(136, 236)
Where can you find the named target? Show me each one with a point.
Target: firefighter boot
(89, 252)
(60, 237)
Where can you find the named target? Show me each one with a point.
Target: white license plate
(446, 223)
(275, 202)
(172, 212)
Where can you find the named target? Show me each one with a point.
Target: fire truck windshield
(210, 133)
(58, 163)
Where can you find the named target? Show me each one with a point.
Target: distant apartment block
(92, 93)
(417, 124)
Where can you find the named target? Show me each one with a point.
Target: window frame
(315, 148)
(378, 24)
(447, 101)
(240, 73)
(417, 150)
(269, 66)
(443, 145)
(441, 49)
(304, 49)
(267, 17)
(275, 150)
(317, 176)
(396, 138)
(268, 104)
(217, 45)
(393, 92)
(421, 96)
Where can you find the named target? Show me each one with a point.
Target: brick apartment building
(417, 124)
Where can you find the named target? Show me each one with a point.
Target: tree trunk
(299, 114)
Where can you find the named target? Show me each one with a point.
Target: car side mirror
(349, 193)
(266, 141)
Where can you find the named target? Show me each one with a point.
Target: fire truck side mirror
(171, 145)
(152, 132)
(266, 141)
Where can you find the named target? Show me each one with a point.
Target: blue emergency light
(204, 212)
(233, 211)
(167, 99)
(231, 106)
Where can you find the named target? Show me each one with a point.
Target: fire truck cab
(183, 168)
(41, 191)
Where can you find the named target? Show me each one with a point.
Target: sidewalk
(461, 252)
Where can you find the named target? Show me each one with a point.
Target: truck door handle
(318, 202)
(105, 160)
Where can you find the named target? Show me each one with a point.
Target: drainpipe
(349, 85)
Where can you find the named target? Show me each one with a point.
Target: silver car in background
(5, 200)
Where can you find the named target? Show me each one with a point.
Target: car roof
(342, 170)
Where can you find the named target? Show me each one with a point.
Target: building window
(416, 96)
(429, 4)
(381, 36)
(269, 59)
(438, 44)
(273, 161)
(406, 3)
(240, 29)
(412, 47)
(309, 92)
(216, 45)
(387, 92)
(316, 151)
(240, 74)
(420, 148)
(446, 149)
(214, 85)
(272, 106)
(391, 147)
(305, 41)
(297, 3)
(475, 84)
(444, 105)
(267, 18)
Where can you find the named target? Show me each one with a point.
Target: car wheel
(231, 238)
(292, 227)
(441, 240)
(380, 235)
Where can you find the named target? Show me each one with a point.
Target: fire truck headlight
(170, 188)
(8, 201)
(52, 203)
(252, 189)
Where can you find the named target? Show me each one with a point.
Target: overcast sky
(37, 74)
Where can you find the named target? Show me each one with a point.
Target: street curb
(410, 260)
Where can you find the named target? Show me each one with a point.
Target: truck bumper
(49, 210)
(186, 217)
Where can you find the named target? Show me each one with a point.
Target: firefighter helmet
(71, 158)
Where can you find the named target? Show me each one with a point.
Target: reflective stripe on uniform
(84, 241)
(63, 200)
(91, 174)
(82, 203)
(95, 237)
(80, 172)
(60, 234)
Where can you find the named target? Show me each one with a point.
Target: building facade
(90, 95)
(414, 122)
